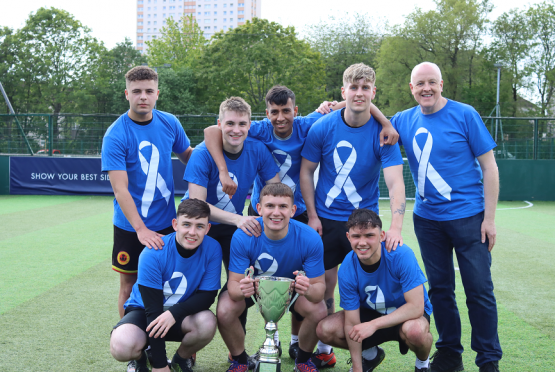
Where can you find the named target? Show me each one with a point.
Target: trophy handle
(299, 273)
(249, 272)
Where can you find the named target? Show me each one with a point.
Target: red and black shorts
(127, 249)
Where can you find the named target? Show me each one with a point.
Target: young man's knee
(415, 332)
(325, 331)
(123, 347)
(313, 312)
(206, 324)
(228, 309)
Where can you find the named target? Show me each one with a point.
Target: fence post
(535, 149)
(50, 136)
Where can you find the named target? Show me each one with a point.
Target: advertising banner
(69, 176)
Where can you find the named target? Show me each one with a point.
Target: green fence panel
(4, 175)
(526, 179)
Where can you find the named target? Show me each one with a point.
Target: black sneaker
(179, 364)
(445, 360)
(425, 369)
(294, 350)
(490, 367)
(136, 366)
(370, 365)
(251, 359)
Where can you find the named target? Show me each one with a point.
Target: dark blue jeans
(437, 240)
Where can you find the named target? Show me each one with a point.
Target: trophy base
(267, 367)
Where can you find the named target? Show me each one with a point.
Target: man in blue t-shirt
(284, 133)
(346, 143)
(382, 296)
(136, 153)
(285, 247)
(245, 158)
(171, 299)
(449, 151)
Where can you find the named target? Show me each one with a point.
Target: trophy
(273, 295)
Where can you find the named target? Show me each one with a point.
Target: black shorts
(303, 217)
(127, 249)
(250, 302)
(223, 234)
(137, 316)
(336, 244)
(383, 335)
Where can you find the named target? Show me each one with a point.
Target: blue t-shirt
(301, 249)
(384, 289)
(144, 152)
(202, 170)
(287, 154)
(350, 161)
(178, 277)
(442, 149)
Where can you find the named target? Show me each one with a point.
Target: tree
(343, 42)
(180, 45)
(511, 46)
(56, 55)
(248, 60)
(542, 56)
(7, 51)
(177, 91)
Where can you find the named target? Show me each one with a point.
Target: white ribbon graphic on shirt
(153, 178)
(425, 168)
(271, 270)
(284, 168)
(171, 296)
(224, 202)
(343, 181)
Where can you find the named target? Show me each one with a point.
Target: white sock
(323, 348)
(371, 353)
(422, 363)
(294, 339)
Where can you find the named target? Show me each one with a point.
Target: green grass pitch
(58, 293)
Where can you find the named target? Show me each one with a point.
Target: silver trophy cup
(273, 295)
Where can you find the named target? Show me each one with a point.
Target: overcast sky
(113, 20)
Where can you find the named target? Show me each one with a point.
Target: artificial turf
(58, 293)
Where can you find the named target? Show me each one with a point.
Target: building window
(225, 5)
(225, 19)
(140, 37)
(207, 27)
(215, 13)
(140, 16)
(206, 21)
(140, 2)
(225, 12)
(231, 20)
(155, 23)
(199, 13)
(241, 4)
(139, 44)
(200, 6)
(231, 5)
(148, 37)
(172, 7)
(206, 6)
(139, 23)
(155, 29)
(231, 27)
(148, 30)
(240, 12)
(154, 14)
(154, 36)
(148, 23)
(225, 27)
(164, 22)
(215, 5)
(231, 12)
(240, 19)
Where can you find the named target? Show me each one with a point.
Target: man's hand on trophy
(302, 283)
(247, 285)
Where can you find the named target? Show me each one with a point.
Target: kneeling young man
(172, 296)
(383, 298)
(284, 247)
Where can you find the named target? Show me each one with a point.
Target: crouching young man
(284, 247)
(171, 299)
(383, 298)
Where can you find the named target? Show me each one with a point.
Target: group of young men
(167, 288)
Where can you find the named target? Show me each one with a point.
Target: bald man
(449, 151)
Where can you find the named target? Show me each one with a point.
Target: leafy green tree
(56, 55)
(177, 91)
(542, 56)
(180, 45)
(343, 42)
(248, 60)
(7, 51)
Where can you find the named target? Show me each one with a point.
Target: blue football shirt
(384, 289)
(301, 249)
(202, 170)
(350, 161)
(144, 152)
(178, 277)
(286, 153)
(442, 149)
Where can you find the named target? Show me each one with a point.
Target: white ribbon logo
(171, 296)
(153, 178)
(224, 202)
(379, 305)
(284, 168)
(343, 181)
(425, 168)
(271, 270)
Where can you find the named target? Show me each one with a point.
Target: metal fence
(81, 135)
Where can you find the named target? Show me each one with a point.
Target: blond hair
(235, 104)
(359, 71)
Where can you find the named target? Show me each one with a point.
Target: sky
(113, 20)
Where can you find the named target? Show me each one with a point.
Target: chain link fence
(81, 135)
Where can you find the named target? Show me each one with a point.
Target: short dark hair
(140, 73)
(277, 189)
(279, 95)
(363, 219)
(193, 208)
